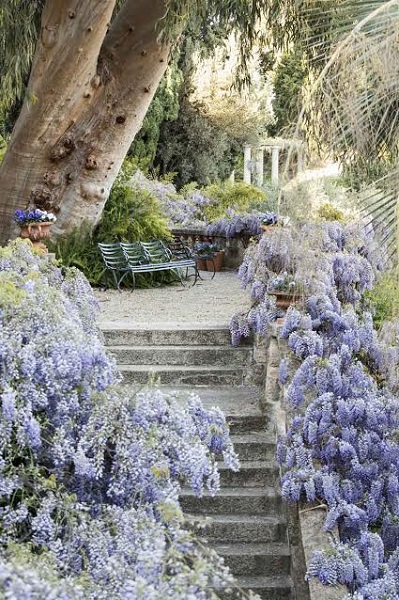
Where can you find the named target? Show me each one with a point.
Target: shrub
(341, 448)
(131, 215)
(236, 197)
(90, 475)
(384, 298)
(328, 212)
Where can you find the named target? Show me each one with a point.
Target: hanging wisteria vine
(89, 475)
(342, 445)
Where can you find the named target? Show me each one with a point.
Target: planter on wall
(36, 232)
(285, 299)
(201, 264)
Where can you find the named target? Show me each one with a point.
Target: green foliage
(289, 78)
(79, 249)
(384, 298)
(241, 197)
(328, 212)
(195, 148)
(3, 148)
(19, 26)
(164, 107)
(129, 215)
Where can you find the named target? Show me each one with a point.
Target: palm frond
(19, 26)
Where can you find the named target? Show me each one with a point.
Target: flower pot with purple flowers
(286, 290)
(35, 225)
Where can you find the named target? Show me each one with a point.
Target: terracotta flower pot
(36, 232)
(210, 265)
(218, 260)
(201, 264)
(285, 299)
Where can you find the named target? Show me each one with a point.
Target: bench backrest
(178, 249)
(113, 256)
(156, 251)
(135, 253)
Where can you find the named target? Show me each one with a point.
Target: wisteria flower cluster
(284, 282)
(317, 257)
(267, 265)
(269, 219)
(33, 215)
(245, 225)
(182, 209)
(90, 475)
(205, 248)
(341, 448)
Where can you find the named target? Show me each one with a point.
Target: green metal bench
(144, 257)
(181, 252)
(115, 262)
(161, 258)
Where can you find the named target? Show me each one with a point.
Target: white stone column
(247, 164)
(259, 167)
(275, 152)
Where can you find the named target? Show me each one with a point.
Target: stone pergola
(254, 158)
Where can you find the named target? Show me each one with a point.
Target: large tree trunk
(87, 96)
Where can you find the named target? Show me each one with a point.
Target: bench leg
(177, 272)
(134, 280)
(117, 282)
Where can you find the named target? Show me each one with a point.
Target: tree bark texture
(89, 90)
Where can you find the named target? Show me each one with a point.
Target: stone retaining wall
(305, 522)
(234, 247)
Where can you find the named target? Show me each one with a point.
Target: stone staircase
(246, 521)
(179, 357)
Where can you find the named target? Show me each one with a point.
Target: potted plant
(286, 289)
(35, 225)
(268, 221)
(205, 252)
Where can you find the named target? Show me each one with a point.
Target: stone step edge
(256, 437)
(172, 368)
(263, 582)
(250, 465)
(111, 327)
(241, 518)
(193, 347)
(266, 491)
(251, 548)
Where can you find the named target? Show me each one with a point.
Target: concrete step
(189, 336)
(182, 375)
(254, 473)
(224, 528)
(256, 559)
(239, 404)
(255, 445)
(256, 501)
(181, 355)
(268, 588)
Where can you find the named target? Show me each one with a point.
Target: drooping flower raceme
(341, 447)
(90, 475)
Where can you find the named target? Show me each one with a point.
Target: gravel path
(210, 302)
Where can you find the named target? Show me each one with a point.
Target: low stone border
(306, 523)
(311, 521)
